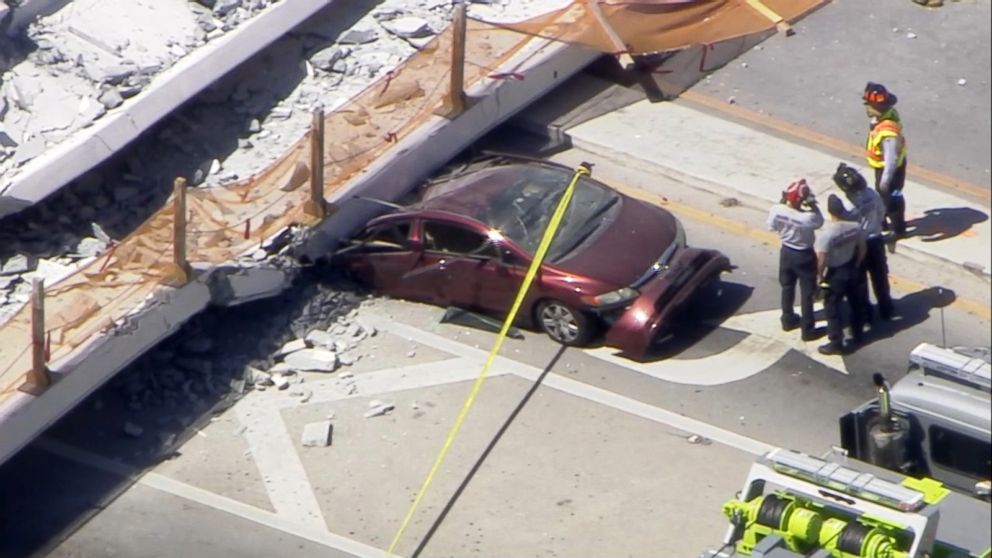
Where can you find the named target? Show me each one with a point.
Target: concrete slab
(714, 154)
(79, 152)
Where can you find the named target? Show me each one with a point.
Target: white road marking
(590, 393)
(763, 347)
(750, 356)
(215, 501)
(405, 378)
(297, 511)
(766, 324)
(279, 464)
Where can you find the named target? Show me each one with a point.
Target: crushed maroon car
(616, 263)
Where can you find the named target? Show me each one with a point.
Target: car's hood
(623, 249)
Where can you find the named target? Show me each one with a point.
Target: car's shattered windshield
(522, 210)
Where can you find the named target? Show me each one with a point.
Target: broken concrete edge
(23, 417)
(41, 177)
(26, 12)
(545, 64)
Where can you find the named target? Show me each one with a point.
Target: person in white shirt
(796, 219)
(869, 211)
(840, 250)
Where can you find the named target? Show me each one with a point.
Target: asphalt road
(815, 78)
(564, 453)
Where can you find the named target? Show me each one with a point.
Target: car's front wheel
(563, 323)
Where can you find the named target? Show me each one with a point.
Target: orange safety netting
(226, 221)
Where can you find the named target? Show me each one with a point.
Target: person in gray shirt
(840, 250)
(869, 211)
(795, 218)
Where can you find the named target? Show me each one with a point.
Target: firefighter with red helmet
(796, 219)
(885, 150)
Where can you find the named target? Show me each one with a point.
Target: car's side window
(393, 234)
(445, 237)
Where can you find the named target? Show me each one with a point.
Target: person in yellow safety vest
(886, 153)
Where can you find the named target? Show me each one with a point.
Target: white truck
(934, 422)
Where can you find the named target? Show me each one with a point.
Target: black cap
(835, 206)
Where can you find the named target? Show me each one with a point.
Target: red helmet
(797, 192)
(878, 96)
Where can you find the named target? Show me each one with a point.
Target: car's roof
(468, 193)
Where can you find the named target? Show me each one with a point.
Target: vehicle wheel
(563, 323)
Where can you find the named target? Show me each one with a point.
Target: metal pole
(456, 90)
(38, 378)
(315, 206)
(179, 226)
(943, 331)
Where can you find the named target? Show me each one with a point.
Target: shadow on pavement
(485, 453)
(911, 310)
(144, 415)
(700, 317)
(944, 223)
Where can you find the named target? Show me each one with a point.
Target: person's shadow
(911, 310)
(943, 223)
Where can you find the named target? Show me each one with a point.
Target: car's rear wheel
(563, 323)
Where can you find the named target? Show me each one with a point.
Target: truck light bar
(848, 481)
(952, 365)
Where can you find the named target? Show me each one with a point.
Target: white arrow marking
(763, 347)
(745, 359)
(766, 324)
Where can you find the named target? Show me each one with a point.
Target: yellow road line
(935, 177)
(900, 283)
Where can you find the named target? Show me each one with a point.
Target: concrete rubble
(266, 109)
(78, 61)
(317, 434)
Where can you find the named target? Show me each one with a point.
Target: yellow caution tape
(542, 250)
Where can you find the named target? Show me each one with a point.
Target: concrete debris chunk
(258, 377)
(325, 59)
(99, 233)
(313, 360)
(91, 109)
(291, 347)
(89, 247)
(111, 98)
(113, 74)
(5, 139)
(17, 264)
(317, 434)
(358, 37)
(409, 27)
(224, 7)
(322, 339)
(378, 408)
(281, 382)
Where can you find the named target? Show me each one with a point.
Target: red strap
(507, 75)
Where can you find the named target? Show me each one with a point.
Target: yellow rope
(542, 250)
